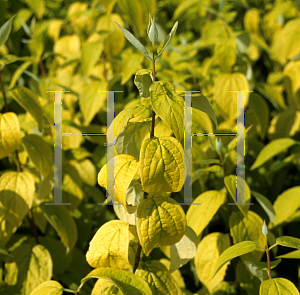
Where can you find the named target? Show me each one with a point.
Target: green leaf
(105, 287)
(89, 56)
(273, 93)
(166, 41)
(10, 134)
(201, 103)
(16, 196)
(210, 202)
(71, 186)
(18, 73)
(61, 220)
(48, 288)
(39, 152)
(32, 266)
(247, 281)
(248, 228)
(162, 165)
(272, 149)
(158, 278)
(286, 205)
(168, 106)
(133, 113)
(265, 229)
(265, 204)
(143, 81)
(208, 252)
(8, 59)
(109, 246)
(130, 140)
(159, 223)
(128, 283)
(293, 255)
(183, 251)
(234, 251)
(288, 242)
(5, 31)
(264, 265)
(257, 271)
(29, 101)
(257, 114)
(134, 195)
(86, 170)
(278, 286)
(230, 183)
(57, 250)
(135, 42)
(153, 33)
(125, 169)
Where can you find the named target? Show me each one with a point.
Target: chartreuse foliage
(82, 48)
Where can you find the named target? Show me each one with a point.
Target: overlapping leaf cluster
(216, 46)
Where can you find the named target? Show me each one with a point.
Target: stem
(18, 161)
(268, 260)
(139, 249)
(70, 291)
(3, 92)
(137, 257)
(273, 246)
(32, 226)
(42, 68)
(153, 113)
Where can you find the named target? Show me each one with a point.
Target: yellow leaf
(168, 106)
(10, 135)
(162, 165)
(109, 246)
(125, 168)
(278, 286)
(283, 51)
(54, 28)
(209, 250)
(159, 223)
(160, 281)
(248, 229)
(16, 195)
(48, 287)
(199, 216)
(292, 71)
(68, 47)
(285, 205)
(251, 21)
(114, 40)
(225, 52)
(225, 100)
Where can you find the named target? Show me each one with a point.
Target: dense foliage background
(76, 46)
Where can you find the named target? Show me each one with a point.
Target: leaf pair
(153, 35)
